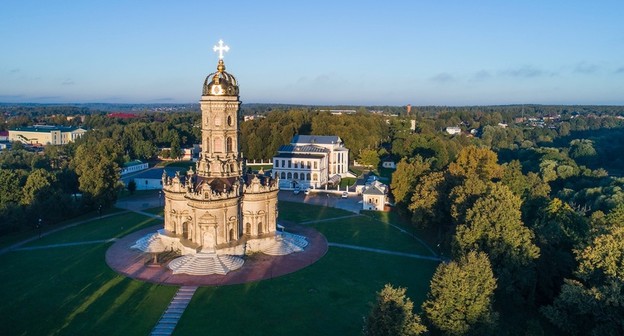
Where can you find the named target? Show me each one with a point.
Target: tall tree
(427, 200)
(493, 225)
(369, 157)
(39, 185)
(461, 296)
(594, 304)
(97, 166)
(405, 177)
(392, 315)
(475, 161)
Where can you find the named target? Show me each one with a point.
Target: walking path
(43, 234)
(368, 249)
(66, 244)
(328, 219)
(422, 242)
(170, 318)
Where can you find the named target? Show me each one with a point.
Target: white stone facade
(311, 161)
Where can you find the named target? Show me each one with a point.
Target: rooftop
(45, 128)
(302, 149)
(315, 139)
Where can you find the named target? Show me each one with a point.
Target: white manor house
(311, 161)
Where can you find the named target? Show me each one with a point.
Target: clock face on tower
(217, 90)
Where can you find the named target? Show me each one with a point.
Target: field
(65, 290)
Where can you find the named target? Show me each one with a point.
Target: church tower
(218, 213)
(220, 104)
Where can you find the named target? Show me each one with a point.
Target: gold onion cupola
(220, 83)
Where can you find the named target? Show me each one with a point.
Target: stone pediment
(207, 219)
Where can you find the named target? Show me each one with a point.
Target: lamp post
(39, 227)
(100, 210)
(159, 197)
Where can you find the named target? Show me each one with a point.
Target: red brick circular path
(131, 262)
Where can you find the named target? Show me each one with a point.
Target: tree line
(531, 226)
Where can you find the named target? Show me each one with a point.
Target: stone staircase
(170, 318)
(286, 243)
(204, 263)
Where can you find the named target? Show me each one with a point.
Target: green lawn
(111, 227)
(328, 298)
(16, 237)
(156, 211)
(347, 181)
(367, 232)
(71, 290)
(298, 212)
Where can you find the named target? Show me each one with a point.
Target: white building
(375, 196)
(453, 130)
(311, 161)
(133, 167)
(45, 134)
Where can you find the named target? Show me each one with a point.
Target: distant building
(133, 167)
(148, 179)
(453, 130)
(311, 161)
(4, 135)
(388, 164)
(45, 134)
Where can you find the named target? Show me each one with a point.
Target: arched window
(315, 177)
(308, 177)
(260, 228)
(228, 145)
(289, 176)
(248, 229)
(283, 176)
(231, 234)
(295, 176)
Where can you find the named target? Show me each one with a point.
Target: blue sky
(315, 52)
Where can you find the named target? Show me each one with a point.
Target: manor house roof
(302, 149)
(45, 128)
(316, 139)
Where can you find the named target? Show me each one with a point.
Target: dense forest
(527, 203)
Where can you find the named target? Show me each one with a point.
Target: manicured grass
(112, 227)
(429, 235)
(367, 232)
(27, 233)
(71, 291)
(124, 193)
(298, 212)
(156, 211)
(329, 297)
(347, 181)
(264, 167)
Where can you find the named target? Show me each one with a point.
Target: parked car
(345, 195)
(307, 191)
